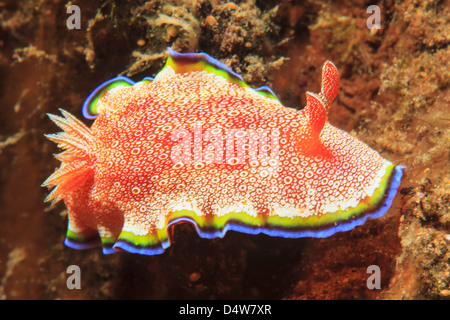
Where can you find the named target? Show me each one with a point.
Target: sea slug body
(196, 144)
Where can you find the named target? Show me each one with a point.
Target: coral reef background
(394, 96)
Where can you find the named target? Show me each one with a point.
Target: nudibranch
(196, 144)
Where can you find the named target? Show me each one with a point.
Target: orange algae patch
(198, 145)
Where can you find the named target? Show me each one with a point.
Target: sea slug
(196, 144)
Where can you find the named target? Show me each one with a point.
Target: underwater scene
(225, 150)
